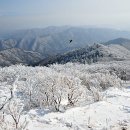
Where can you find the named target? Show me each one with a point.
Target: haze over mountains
(51, 41)
(120, 41)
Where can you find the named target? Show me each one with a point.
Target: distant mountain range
(50, 42)
(120, 41)
(55, 40)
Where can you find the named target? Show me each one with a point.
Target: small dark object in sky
(71, 41)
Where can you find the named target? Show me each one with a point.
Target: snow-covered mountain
(16, 56)
(91, 54)
(55, 40)
(53, 45)
(65, 97)
(120, 41)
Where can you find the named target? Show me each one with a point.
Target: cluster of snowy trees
(56, 88)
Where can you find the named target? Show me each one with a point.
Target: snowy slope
(110, 110)
(112, 113)
(91, 54)
(16, 56)
(119, 51)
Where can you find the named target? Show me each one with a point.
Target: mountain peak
(120, 41)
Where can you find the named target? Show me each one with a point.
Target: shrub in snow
(10, 118)
(50, 87)
(74, 90)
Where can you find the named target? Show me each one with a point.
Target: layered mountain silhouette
(55, 40)
(31, 46)
(120, 41)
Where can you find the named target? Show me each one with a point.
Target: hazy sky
(21, 14)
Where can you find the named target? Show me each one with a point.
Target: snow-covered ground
(65, 97)
(111, 113)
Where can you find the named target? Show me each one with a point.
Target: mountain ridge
(91, 54)
(120, 41)
(54, 40)
(18, 56)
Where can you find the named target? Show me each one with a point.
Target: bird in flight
(70, 41)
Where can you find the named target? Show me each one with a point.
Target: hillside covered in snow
(92, 54)
(71, 96)
(70, 87)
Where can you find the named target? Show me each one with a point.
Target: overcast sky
(22, 14)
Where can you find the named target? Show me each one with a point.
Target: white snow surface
(112, 113)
